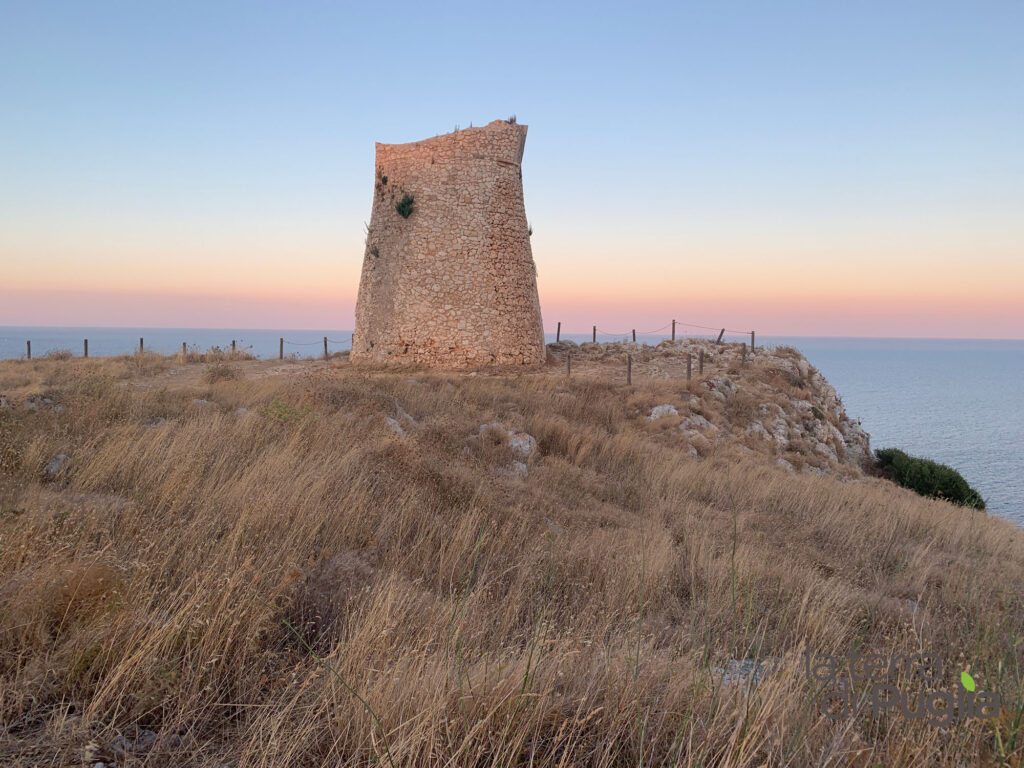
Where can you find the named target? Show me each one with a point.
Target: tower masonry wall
(453, 285)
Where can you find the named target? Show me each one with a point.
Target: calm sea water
(960, 402)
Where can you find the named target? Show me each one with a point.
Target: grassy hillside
(599, 597)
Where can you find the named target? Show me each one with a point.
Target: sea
(957, 401)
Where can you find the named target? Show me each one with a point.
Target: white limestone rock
(698, 423)
(661, 411)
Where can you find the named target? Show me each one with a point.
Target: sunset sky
(798, 168)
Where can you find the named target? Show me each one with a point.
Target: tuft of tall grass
(219, 371)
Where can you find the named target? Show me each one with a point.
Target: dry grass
(216, 372)
(577, 616)
(194, 354)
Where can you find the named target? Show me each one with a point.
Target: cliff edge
(772, 402)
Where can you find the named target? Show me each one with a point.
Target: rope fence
(674, 329)
(62, 351)
(326, 341)
(674, 325)
(692, 360)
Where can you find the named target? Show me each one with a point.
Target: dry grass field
(247, 563)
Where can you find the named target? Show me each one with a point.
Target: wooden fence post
(326, 356)
(751, 342)
(720, 335)
(280, 351)
(232, 346)
(28, 349)
(689, 366)
(634, 335)
(673, 330)
(700, 363)
(184, 352)
(595, 334)
(86, 351)
(141, 347)
(629, 369)
(744, 353)
(568, 364)
(558, 333)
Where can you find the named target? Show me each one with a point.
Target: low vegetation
(404, 207)
(219, 371)
(310, 564)
(927, 477)
(194, 354)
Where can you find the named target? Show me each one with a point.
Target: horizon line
(546, 331)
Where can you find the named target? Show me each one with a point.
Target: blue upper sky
(743, 132)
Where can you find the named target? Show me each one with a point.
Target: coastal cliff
(770, 403)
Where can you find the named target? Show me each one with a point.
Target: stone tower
(448, 276)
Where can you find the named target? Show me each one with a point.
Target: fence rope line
(602, 332)
(348, 344)
(708, 327)
(639, 333)
(312, 343)
(694, 325)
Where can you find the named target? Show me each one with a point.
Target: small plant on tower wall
(405, 206)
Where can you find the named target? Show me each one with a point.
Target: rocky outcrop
(772, 402)
(778, 403)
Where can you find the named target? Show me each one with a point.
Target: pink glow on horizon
(173, 310)
(769, 315)
(797, 316)
(899, 279)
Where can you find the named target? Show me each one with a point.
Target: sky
(798, 168)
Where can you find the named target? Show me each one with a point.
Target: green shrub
(404, 206)
(927, 477)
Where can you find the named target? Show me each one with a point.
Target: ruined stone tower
(448, 276)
